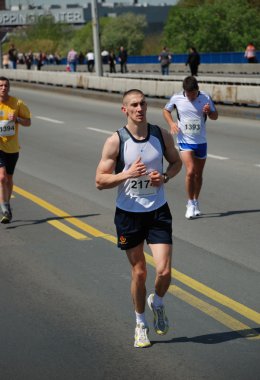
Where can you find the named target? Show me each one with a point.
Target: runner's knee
(191, 173)
(165, 274)
(139, 273)
(3, 178)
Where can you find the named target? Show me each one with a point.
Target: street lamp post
(95, 29)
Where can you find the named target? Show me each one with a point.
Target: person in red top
(250, 53)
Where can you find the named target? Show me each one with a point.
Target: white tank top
(136, 194)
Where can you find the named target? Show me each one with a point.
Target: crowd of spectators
(37, 60)
(30, 59)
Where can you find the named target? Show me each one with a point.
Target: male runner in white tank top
(132, 159)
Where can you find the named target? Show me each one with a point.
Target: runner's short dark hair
(190, 84)
(132, 91)
(5, 79)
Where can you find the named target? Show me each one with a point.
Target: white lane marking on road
(218, 157)
(109, 133)
(100, 130)
(50, 120)
(257, 165)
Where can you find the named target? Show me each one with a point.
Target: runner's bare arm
(213, 115)
(171, 155)
(169, 119)
(25, 122)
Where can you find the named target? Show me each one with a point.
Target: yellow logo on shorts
(122, 239)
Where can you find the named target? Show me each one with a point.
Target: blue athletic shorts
(135, 227)
(8, 160)
(200, 150)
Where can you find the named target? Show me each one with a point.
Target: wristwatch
(166, 177)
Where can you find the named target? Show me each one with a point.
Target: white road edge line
(218, 157)
(100, 130)
(50, 120)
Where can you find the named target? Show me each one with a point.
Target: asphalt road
(66, 311)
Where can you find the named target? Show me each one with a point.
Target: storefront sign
(68, 16)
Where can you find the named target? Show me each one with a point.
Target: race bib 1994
(7, 128)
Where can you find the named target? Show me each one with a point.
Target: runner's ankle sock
(140, 318)
(5, 206)
(157, 301)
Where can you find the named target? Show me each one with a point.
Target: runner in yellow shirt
(13, 112)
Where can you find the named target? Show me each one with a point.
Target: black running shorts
(135, 227)
(8, 160)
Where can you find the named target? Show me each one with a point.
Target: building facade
(156, 16)
(21, 3)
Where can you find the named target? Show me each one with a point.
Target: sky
(9, 3)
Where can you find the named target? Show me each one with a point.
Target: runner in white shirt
(193, 107)
(132, 160)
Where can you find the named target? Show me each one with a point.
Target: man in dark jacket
(122, 58)
(193, 61)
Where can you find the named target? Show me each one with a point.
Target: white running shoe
(6, 217)
(141, 336)
(197, 211)
(160, 321)
(190, 213)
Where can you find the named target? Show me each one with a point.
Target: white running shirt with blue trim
(191, 118)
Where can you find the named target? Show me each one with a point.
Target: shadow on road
(45, 220)
(226, 213)
(214, 338)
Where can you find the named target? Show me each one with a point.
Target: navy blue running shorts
(8, 160)
(135, 227)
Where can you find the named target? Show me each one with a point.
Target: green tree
(152, 44)
(83, 37)
(44, 35)
(126, 30)
(215, 25)
(46, 28)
